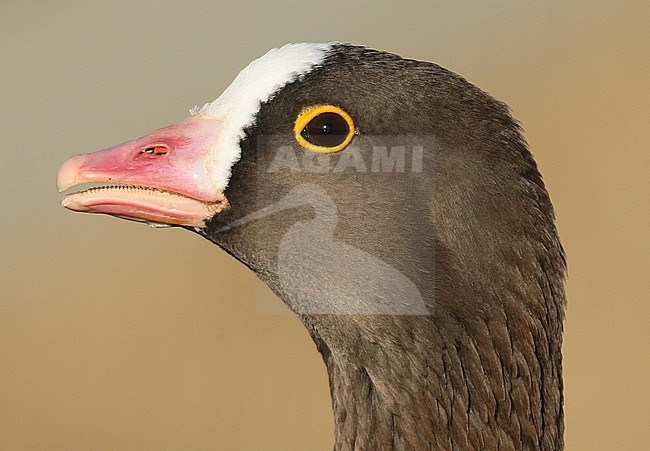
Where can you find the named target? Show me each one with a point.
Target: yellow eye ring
(324, 129)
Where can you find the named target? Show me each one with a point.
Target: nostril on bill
(155, 150)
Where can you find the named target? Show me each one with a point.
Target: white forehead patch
(239, 104)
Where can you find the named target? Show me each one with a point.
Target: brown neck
(466, 387)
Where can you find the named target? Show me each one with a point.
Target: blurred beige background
(117, 336)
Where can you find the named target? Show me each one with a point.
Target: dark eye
(326, 130)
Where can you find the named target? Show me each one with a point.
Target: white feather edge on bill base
(239, 104)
